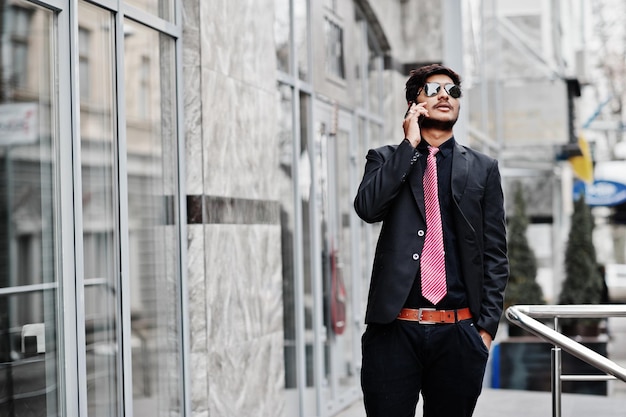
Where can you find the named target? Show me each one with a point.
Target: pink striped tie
(433, 263)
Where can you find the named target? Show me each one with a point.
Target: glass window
(160, 8)
(357, 52)
(285, 183)
(84, 38)
(282, 35)
(304, 182)
(99, 210)
(143, 103)
(152, 160)
(374, 72)
(29, 213)
(369, 67)
(336, 208)
(19, 26)
(301, 37)
(334, 49)
(285, 37)
(296, 249)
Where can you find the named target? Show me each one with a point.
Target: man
(440, 268)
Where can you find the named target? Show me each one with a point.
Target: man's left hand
(486, 338)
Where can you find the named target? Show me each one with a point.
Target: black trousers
(445, 362)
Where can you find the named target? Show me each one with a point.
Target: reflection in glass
(301, 37)
(100, 228)
(160, 8)
(307, 201)
(343, 362)
(285, 185)
(334, 62)
(153, 221)
(363, 146)
(333, 180)
(282, 35)
(365, 244)
(29, 214)
(296, 248)
(357, 56)
(374, 74)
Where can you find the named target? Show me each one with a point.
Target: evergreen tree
(522, 287)
(583, 282)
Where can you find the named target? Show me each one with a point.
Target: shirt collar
(445, 148)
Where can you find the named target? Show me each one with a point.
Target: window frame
(72, 375)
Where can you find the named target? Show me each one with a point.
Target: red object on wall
(338, 297)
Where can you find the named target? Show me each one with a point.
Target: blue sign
(601, 192)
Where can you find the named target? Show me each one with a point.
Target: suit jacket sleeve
(385, 172)
(495, 262)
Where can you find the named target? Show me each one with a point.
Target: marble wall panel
(191, 33)
(238, 40)
(192, 96)
(215, 35)
(239, 138)
(247, 379)
(194, 163)
(196, 276)
(258, 59)
(244, 320)
(199, 376)
(244, 283)
(197, 321)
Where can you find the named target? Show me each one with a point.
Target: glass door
(341, 329)
(30, 236)
(154, 280)
(131, 267)
(129, 252)
(90, 212)
(99, 208)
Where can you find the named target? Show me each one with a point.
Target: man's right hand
(411, 123)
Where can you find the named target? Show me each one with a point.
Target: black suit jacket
(391, 191)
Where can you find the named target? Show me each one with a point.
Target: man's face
(443, 109)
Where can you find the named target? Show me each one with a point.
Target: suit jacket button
(416, 256)
(420, 233)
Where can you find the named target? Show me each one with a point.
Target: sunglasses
(432, 89)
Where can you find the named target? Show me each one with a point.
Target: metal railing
(524, 317)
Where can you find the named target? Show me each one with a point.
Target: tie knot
(432, 150)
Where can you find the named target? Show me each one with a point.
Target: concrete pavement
(511, 403)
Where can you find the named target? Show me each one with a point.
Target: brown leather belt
(432, 316)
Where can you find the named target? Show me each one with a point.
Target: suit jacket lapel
(460, 171)
(415, 180)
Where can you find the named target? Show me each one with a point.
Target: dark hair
(418, 77)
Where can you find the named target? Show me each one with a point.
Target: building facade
(176, 225)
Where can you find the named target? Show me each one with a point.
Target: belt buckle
(419, 316)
